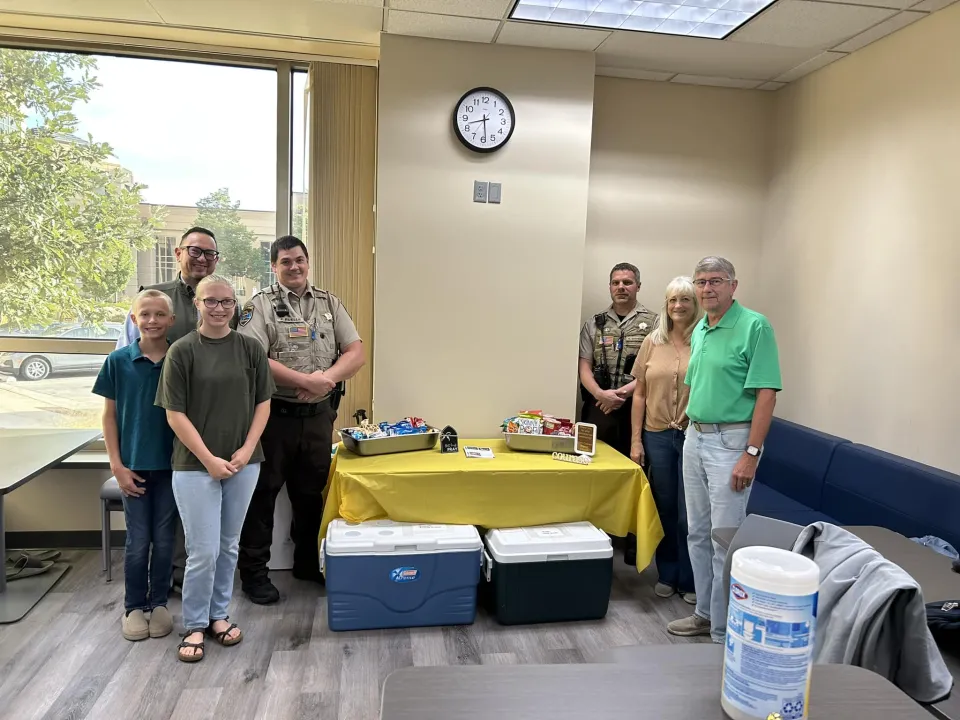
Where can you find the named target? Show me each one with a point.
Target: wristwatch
(753, 451)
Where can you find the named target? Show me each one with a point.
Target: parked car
(37, 366)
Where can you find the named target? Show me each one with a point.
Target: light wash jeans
(708, 462)
(212, 512)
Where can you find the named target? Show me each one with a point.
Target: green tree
(240, 251)
(69, 215)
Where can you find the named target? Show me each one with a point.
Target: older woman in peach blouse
(659, 419)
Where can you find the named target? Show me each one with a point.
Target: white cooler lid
(566, 541)
(386, 537)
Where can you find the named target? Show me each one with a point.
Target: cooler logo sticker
(738, 592)
(405, 574)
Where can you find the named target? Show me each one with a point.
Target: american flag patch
(298, 331)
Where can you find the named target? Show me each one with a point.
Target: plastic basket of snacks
(407, 435)
(533, 431)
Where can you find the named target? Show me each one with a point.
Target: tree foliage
(69, 215)
(240, 253)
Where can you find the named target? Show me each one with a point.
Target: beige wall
(58, 500)
(477, 306)
(677, 172)
(861, 245)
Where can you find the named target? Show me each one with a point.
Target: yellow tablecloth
(512, 489)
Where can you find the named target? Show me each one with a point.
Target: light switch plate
(494, 193)
(479, 191)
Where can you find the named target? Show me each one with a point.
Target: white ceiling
(784, 42)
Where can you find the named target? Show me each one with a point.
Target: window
(269, 277)
(301, 150)
(111, 187)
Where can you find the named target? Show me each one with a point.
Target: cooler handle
(486, 563)
(323, 544)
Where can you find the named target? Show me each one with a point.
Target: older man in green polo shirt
(734, 376)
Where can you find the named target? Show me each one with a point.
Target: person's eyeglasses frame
(195, 251)
(211, 303)
(712, 282)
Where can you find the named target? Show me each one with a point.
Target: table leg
(3, 549)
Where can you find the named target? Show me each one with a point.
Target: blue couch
(806, 476)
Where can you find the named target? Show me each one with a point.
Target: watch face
(483, 120)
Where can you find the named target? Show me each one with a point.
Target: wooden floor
(67, 660)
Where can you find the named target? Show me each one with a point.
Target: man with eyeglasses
(734, 377)
(197, 256)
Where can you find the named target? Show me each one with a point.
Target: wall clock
(483, 120)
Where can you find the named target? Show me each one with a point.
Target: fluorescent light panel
(697, 18)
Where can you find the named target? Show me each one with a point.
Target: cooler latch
(486, 564)
(323, 544)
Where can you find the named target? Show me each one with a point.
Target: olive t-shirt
(216, 383)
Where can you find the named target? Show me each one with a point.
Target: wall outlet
(494, 193)
(479, 191)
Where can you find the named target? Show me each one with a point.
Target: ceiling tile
(551, 36)
(296, 18)
(715, 81)
(771, 86)
(697, 56)
(799, 23)
(900, 20)
(634, 74)
(131, 10)
(444, 27)
(932, 5)
(492, 9)
(821, 60)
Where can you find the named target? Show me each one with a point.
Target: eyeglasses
(712, 282)
(228, 303)
(195, 252)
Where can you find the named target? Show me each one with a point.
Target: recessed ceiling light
(696, 18)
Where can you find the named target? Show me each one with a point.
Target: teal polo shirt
(131, 380)
(729, 362)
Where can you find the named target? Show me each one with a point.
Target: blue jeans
(664, 452)
(150, 520)
(212, 512)
(708, 462)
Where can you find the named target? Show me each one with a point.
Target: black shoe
(262, 593)
(309, 575)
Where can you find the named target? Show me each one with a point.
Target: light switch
(494, 194)
(479, 191)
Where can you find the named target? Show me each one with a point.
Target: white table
(26, 453)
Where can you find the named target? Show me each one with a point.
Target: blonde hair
(152, 295)
(681, 286)
(207, 282)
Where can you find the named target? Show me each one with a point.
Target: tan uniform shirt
(307, 338)
(632, 330)
(662, 369)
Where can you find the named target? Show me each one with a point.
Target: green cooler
(548, 573)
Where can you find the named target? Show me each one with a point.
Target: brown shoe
(134, 626)
(689, 626)
(161, 624)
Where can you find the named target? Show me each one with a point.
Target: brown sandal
(195, 656)
(221, 637)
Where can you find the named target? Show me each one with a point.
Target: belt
(720, 427)
(301, 410)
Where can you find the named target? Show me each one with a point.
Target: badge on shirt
(247, 314)
(298, 331)
(328, 316)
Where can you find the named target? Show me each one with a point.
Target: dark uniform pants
(613, 429)
(296, 452)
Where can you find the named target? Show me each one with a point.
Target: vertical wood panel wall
(341, 224)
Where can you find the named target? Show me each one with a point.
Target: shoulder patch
(246, 314)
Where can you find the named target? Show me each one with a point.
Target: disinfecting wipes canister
(769, 641)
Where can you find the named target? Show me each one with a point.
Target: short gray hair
(715, 263)
(626, 267)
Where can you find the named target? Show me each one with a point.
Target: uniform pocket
(735, 439)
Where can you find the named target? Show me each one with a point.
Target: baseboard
(63, 539)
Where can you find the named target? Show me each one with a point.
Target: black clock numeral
(486, 100)
(503, 121)
(494, 103)
(500, 131)
(501, 111)
(466, 128)
(469, 108)
(474, 136)
(483, 139)
(465, 118)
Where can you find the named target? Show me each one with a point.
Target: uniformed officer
(609, 343)
(197, 257)
(312, 345)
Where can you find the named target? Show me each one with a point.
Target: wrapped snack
(551, 425)
(538, 414)
(418, 423)
(530, 425)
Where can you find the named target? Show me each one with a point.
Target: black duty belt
(301, 410)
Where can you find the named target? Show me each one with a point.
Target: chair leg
(105, 540)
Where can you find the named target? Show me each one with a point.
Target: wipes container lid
(387, 537)
(565, 541)
(775, 570)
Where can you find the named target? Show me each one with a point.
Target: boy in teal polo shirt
(140, 444)
(734, 377)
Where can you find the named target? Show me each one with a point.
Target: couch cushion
(767, 501)
(865, 486)
(795, 461)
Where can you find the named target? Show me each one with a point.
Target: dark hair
(287, 242)
(626, 266)
(202, 231)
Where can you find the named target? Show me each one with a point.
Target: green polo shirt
(729, 362)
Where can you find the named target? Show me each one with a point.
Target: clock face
(483, 120)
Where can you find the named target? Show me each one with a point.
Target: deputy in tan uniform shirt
(312, 345)
(608, 349)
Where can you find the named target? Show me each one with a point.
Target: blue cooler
(386, 574)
